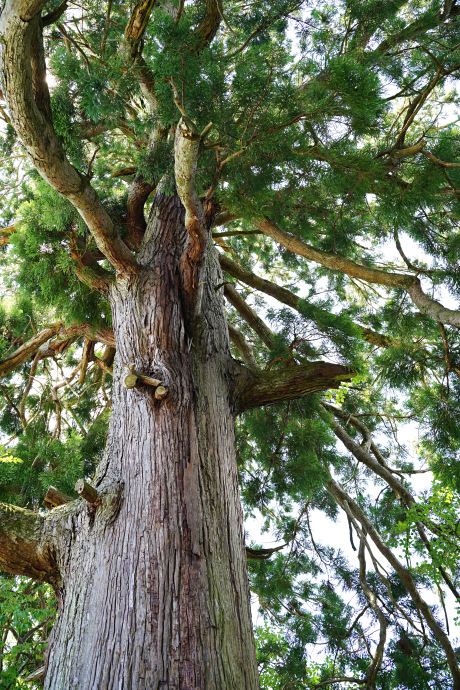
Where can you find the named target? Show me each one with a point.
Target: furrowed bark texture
(155, 589)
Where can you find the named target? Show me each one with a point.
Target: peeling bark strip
(26, 93)
(186, 150)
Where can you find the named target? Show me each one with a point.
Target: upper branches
(26, 92)
(335, 262)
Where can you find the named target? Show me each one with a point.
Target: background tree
(300, 161)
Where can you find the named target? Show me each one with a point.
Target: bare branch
(242, 346)
(376, 662)
(248, 314)
(358, 516)
(56, 14)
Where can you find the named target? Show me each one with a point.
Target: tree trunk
(154, 590)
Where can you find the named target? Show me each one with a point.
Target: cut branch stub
(134, 378)
(87, 492)
(161, 393)
(55, 498)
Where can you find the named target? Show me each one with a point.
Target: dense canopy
(328, 168)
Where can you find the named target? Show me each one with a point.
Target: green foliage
(27, 612)
(308, 104)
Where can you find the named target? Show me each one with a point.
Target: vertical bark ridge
(158, 597)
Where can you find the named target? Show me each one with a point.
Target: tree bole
(167, 571)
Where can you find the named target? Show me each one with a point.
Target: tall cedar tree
(214, 214)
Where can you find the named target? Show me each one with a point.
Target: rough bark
(26, 545)
(154, 582)
(256, 389)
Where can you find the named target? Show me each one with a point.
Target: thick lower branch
(41, 341)
(258, 389)
(24, 547)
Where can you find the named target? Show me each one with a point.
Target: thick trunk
(154, 582)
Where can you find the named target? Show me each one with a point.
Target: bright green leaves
(46, 255)
(27, 612)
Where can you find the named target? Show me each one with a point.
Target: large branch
(26, 92)
(40, 341)
(289, 298)
(137, 25)
(186, 150)
(335, 262)
(25, 549)
(138, 194)
(209, 25)
(255, 389)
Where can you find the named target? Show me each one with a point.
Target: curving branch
(255, 389)
(363, 525)
(26, 93)
(376, 662)
(138, 194)
(380, 468)
(26, 548)
(335, 262)
(248, 314)
(287, 297)
(242, 346)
